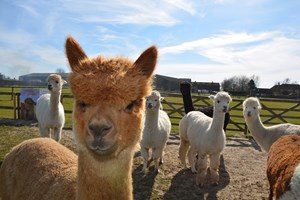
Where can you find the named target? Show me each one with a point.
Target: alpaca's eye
(82, 106)
(56, 82)
(156, 100)
(130, 106)
(254, 107)
(218, 101)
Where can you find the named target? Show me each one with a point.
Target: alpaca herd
(116, 111)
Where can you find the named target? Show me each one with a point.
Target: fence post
(246, 129)
(18, 105)
(14, 100)
(12, 93)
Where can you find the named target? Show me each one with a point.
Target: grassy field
(176, 102)
(10, 136)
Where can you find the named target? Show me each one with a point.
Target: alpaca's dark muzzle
(50, 87)
(249, 114)
(149, 105)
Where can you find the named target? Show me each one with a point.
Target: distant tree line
(244, 85)
(241, 84)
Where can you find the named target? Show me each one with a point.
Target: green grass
(10, 136)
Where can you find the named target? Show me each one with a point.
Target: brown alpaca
(283, 168)
(108, 118)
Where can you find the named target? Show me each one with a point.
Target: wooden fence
(274, 111)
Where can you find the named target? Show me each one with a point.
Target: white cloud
(269, 55)
(129, 12)
(29, 9)
(187, 6)
(14, 37)
(227, 39)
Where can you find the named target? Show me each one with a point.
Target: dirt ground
(242, 173)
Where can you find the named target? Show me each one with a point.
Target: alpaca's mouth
(102, 149)
(149, 106)
(101, 145)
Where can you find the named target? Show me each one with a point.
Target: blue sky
(206, 40)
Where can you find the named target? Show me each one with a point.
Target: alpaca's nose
(149, 105)
(249, 113)
(50, 87)
(99, 130)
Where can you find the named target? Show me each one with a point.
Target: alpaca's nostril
(99, 131)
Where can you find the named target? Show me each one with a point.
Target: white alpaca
(156, 130)
(283, 168)
(49, 110)
(265, 136)
(205, 136)
(108, 119)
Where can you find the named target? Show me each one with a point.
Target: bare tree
(60, 70)
(286, 81)
(239, 83)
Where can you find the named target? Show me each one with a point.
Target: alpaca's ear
(147, 61)
(64, 81)
(259, 106)
(161, 99)
(74, 52)
(211, 97)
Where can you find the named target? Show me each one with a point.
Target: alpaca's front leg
(214, 168)
(57, 133)
(157, 154)
(45, 132)
(145, 155)
(201, 169)
(192, 158)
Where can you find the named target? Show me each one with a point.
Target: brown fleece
(283, 157)
(39, 168)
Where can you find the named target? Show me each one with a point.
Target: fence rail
(274, 111)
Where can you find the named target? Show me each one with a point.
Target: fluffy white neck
(55, 100)
(259, 131)
(152, 116)
(217, 121)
